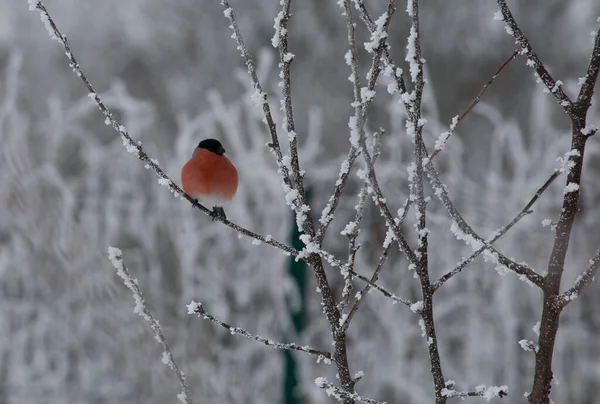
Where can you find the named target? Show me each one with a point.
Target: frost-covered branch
(358, 140)
(386, 293)
(197, 308)
(341, 394)
(352, 229)
(280, 41)
(372, 26)
(377, 45)
(581, 282)
(487, 392)
(589, 80)
(140, 308)
(464, 232)
(512, 28)
(414, 129)
(573, 160)
(260, 96)
(445, 136)
(136, 148)
(498, 233)
(361, 295)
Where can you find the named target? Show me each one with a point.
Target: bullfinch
(210, 177)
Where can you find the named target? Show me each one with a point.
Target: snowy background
(173, 76)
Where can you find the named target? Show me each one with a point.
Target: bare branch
(259, 95)
(358, 140)
(487, 392)
(443, 138)
(498, 233)
(352, 229)
(341, 394)
(583, 281)
(395, 298)
(542, 380)
(467, 234)
(115, 256)
(197, 308)
(361, 295)
(589, 81)
(360, 116)
(280, 41)
(512, 28)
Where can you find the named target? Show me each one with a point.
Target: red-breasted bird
(210, 177)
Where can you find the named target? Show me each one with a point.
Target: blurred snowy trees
(172, 75)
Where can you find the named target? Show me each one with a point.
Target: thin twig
(582, 282)
(512, 28)
(395, 298)
(498, 233)
(360, 116)
(259, 95)
(488, 392)
(586, 92)
(197, 308)
(280, 41)
(361, 295)
(341, 394)
(443, 139)
(115, 256)
(352, 229)
(414, 128)
(358, 139)
(467, 234)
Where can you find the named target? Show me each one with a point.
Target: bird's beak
(221, 150)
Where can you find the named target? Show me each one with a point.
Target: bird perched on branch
(210, 177)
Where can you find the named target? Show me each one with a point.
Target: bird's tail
(219, 212)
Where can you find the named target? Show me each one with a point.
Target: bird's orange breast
(208, 174)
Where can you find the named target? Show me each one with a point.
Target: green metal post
(297, 271)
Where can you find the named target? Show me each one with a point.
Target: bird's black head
(212, 145)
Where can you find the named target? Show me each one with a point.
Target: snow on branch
(443, 138)
(512, 28)
(487, 392)
(358, 140)
(280, 40)
(352, 229)
(259, 95)
(341, 394)
(581, 282)
(359, 298)
(463, 231)
(136, 148)
(141, 309)
(494, 236)
(586, 92)
(197, 308)
(363, 97)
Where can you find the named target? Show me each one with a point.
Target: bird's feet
(218, 212)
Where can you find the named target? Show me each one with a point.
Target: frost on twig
(494, 236)
(140, 308)
(512, 28)
(464, 232)
(363, 97)
(486, 392)
(259, 94)
(341, 394)
(197, 308)
(582, 281)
